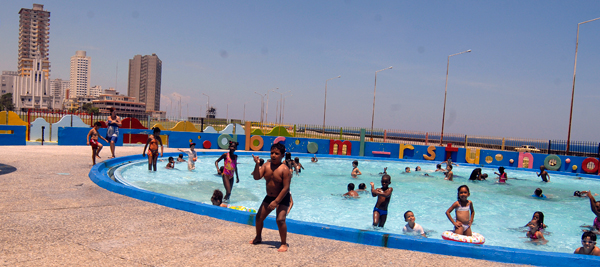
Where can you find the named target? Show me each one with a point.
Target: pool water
(501, 210)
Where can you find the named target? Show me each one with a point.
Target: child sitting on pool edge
(463, 221)
(412, 226)
(383, 194)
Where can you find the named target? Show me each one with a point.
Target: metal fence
(577, 148)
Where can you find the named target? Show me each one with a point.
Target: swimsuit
(94, 143)
(461, 208)
(597, 223)
(502, 178)
(112, 132)
(285, 201)
(229, 166)
(381, 212)
(533, 236)
(153, 148)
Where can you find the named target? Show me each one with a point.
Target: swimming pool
(500, 209)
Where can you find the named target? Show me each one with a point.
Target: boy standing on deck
(383, 194)
(278, 178)
(93, 140)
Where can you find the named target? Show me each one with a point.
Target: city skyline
(516, 82)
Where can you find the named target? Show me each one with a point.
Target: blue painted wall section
(17, 136)
(98, 174)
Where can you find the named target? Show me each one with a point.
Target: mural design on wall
(431, 152)
(472, 155)
(36, 130)
(525, 160)
(312, 147)
(590, 165)
(450, 149)
(402, 148)
(184, 126)
(552, 162)
(340, 147)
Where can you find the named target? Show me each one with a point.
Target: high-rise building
(7, 82)
(33, 90)
(80, 74)
(144, 80)
(34, 31)
(95, 91)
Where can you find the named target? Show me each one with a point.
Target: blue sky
(516, 82)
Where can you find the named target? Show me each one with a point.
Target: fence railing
(577, 148)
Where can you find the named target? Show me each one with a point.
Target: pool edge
(98, 174)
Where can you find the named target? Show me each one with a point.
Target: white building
(95, 91)
(80, 74)
(59, 88)
(7, 81)
(33, 91)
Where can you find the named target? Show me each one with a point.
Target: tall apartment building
(34, 31)
(144, 80)
(7, 82)
(80, 74)
(33, 90)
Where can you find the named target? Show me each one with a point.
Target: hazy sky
(516, 82)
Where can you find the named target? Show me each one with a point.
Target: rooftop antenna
(117, 76)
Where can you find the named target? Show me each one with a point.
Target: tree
(6, 102)
(211, 113)
(89, 108)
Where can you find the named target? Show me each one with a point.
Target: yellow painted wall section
(403, 147)
(159, 126)
(468, 155)
(13, 119)
(185, 126)
(431, 151)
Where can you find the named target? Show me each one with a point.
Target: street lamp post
(244, 117)
(573, 91)
(375, 90)
(262, 107)
(280, 104)
(207, 103)
(227, 117)
(267, 109)
(446, 92)
(325, 105)
(283, 108)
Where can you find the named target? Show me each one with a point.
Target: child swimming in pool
(544, 174)
(384, 171)
(152, 144)
(92, 139)
(588, 242)
(278, 178)
(298, 166)
(439, 168)
(180, 158)
(407, 170)
(463, 221)
(171, 164)
(538, 193)
(192, 156)
(538, 216)
(362, 188)
(314, 158)
(501, 175)
(449, 173)
(355, 171)
(351, 193)
(412, 226)
(534, 232)
(230, 168)
(595, 206)
(383, 194)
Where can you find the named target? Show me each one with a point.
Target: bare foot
(256, 240)
(98, 156)
(283, 248)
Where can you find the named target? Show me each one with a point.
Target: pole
(573, 90)
(446, 92)
(325, 102)
(374, 91)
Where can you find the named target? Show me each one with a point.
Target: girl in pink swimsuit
(230, 167)
(502, 179)
(595, 209)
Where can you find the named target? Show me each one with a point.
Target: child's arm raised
(593, 203)
(258, 171)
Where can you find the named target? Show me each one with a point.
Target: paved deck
(51, 214)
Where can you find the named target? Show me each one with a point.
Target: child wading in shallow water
(92, 139)
(534, 232)
(230, 167)
(278, 178)
(152, 145)
(383, 194)
(462, 222)
(355, 171)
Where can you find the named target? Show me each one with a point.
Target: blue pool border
(99, 175)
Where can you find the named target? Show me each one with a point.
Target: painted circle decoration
(312, 147)
(297, 142)
(567, 161)
(256, 143)
(191, 141)
(206, 144)
(511, 161)
(489, 159)
(590, 165)
(552, 162)
(499, 157)
(574, 167)
(199, 137)
(223, 141)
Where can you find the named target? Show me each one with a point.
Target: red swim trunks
(94, 143)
